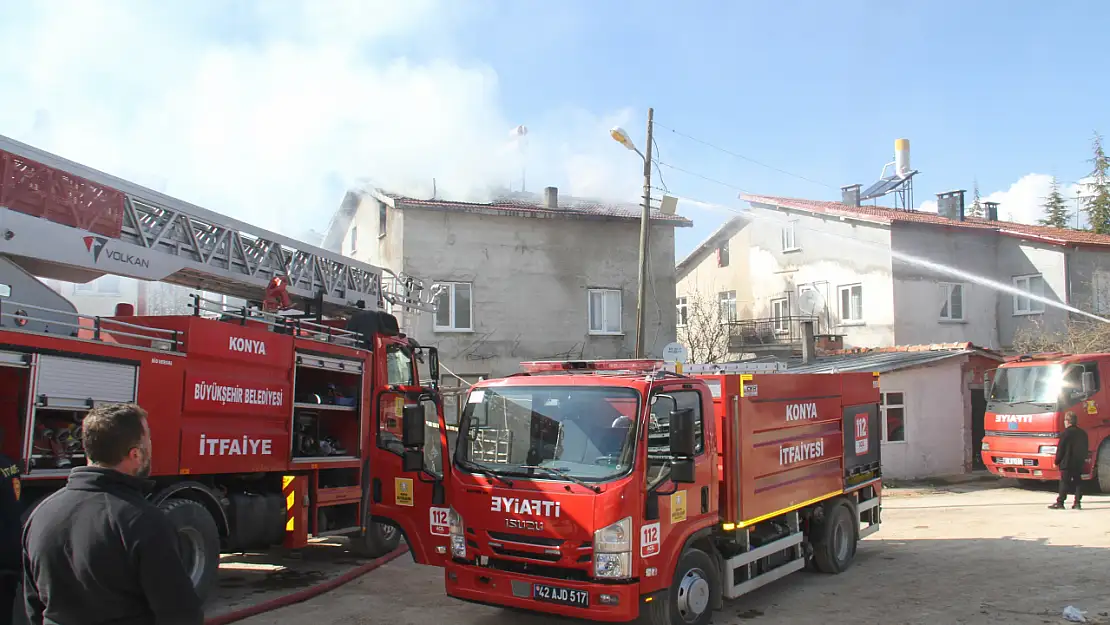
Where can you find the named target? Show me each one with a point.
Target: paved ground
(970, 554)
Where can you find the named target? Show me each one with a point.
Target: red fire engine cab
(269, 426)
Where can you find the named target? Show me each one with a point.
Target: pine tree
(976, 205)
(1097, 204)
(1055, 208)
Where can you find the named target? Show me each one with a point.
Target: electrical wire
(705, 178)
(741, 156)
(656, 161)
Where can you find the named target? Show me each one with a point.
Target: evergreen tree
(1055, 208)
(1097, 204)
(976, 206)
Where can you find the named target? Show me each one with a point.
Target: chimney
(808, 344)
(950, 204)
(551, 197)
(850, 194)
(992, 210)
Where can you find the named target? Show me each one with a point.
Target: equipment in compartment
(56, 440)
(326, 415)
(311, 438)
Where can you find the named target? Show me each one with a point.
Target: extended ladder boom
(63, 220)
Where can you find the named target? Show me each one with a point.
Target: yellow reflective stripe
(790, 509)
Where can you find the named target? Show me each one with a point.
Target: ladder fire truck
(269, 426)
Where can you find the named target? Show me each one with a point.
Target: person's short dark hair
(111, 431)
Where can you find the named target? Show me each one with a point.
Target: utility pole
(645, 222)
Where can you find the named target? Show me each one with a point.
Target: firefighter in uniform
(10, 536)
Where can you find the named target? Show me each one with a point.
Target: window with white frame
(780, 313)
(722, 254)
(605, 311)
(454, 307)
(851, 303)
(682, 312)
(726, 301)
(894, 417)
(789, 242)
(383, 212)
(354, 239)
(951, 301)
(1033, 285)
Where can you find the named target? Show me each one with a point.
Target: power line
(706, 178)
(741, 156)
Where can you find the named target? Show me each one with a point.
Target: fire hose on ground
(305, 593)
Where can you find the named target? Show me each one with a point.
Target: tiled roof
(885, 359)
(881, 215)
(532, 204)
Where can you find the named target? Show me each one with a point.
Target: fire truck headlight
(613, 550)
(986, 446)
(1047, 449)
(458, 538)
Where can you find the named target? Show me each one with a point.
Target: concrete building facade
(522, 278)
(873, 277)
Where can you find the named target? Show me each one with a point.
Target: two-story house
(875, 277)
(522, 278)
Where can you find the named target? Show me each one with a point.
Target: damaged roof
(883, 359)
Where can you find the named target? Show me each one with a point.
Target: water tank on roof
(902, 157)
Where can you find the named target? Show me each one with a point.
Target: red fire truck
(269, 426)
(1026, 401)
(611, 490)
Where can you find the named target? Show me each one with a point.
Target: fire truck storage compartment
(15, 380)
(327, 396)
(788, 439)
(65, 389)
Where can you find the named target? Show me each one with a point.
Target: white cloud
(269, 124)
(1023, 201)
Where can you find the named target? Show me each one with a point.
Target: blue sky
(269, 110)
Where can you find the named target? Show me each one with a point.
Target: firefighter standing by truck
(10, 569)
(1071, 456)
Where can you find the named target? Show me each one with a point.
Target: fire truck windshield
(1033, 385)
(575, 433)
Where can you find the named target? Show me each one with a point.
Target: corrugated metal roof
(881, 362)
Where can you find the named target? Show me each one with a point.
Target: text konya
(789, 454)
(210, 391)
(536, 507)
(245, 446)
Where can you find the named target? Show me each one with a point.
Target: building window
(381, 219)
(851, 303)
(894, 417)
(682, 312)
(354, 239)
(722, 254)
(454, 307)
(952, 301)
(780, 313)
(605, 311)
(789, 243)
(1034, 285)
(727, 305)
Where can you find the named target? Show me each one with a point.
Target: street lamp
(621, 137)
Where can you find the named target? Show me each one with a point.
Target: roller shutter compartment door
(66, 380)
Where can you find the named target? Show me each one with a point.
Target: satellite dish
(809, 302)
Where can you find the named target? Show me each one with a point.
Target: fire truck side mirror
(682, 471)
(412, 460)
(683, 441)
(412, 426)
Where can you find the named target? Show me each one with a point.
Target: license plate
(1015, 461)
(564, 596)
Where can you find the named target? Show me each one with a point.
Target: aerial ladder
(65, 221)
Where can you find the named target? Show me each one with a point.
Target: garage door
(61, 379)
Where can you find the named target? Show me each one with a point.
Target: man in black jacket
(97, 551)
(1071, 456)
(10, 529)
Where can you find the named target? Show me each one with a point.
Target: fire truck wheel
(1103, 469)
(836, 540)
(380, 539)
(690, 599)
(198, 540)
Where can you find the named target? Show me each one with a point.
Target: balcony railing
(770, 334)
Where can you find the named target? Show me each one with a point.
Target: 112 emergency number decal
(863, 443)
(402, 491)
(649, 540)
(678, 506)
(439, 522)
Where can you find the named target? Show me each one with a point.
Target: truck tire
(379, 539)
(693, 593)
(198, 541)
(835, 545)
(1103, 467)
